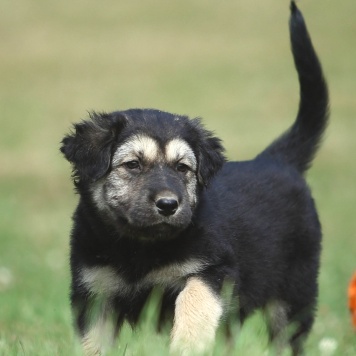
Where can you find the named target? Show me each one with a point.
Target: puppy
(160, 206)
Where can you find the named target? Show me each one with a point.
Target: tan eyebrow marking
(138, 145)
(178, 149)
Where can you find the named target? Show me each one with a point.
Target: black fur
(90, 147)
(299, 145)
(255, 222)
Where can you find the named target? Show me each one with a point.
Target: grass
(228, 62)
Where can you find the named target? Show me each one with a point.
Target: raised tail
(299, 144)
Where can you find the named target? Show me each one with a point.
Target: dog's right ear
(89, 147)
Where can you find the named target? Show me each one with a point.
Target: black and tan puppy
(160, 206)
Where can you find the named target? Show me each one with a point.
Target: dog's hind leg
(301, 325)
(288, 326)
(276, 314)
(293, 319)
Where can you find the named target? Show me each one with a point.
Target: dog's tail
(299, 144)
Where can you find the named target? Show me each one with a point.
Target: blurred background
(228, 62)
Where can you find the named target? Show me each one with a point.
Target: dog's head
(143, 169)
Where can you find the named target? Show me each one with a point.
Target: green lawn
(228, 62)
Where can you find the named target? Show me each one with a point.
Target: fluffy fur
(160, 206)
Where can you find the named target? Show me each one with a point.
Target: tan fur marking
(276, 313)
(136, 146)
(102, 280)
(106, 281)
(171, 274)
(89, 348)
(101, 333)
(178, 149)
(197, 314)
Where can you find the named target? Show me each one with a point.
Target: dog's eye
(181, 167)
(132, 164)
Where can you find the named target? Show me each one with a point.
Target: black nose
(167, 206)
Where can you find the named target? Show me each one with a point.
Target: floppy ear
(210, 154)
(89, 147)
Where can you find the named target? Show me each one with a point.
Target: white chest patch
(106, 281)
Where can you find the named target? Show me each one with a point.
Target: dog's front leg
(197, 313)
(99, 337)
(99, 328)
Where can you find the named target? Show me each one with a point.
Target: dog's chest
(105, 280)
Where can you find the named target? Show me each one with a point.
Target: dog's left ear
(210, 156)
(89, 147)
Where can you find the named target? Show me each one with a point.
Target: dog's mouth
(149, 225)
(157, 232)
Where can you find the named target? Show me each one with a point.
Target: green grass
(228, 62)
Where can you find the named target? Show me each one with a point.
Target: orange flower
(352, 299)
